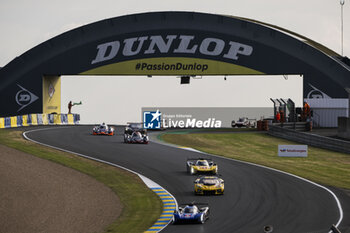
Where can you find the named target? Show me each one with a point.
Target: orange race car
(103, 129)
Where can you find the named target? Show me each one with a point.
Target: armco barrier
(34, 119)
(45, 118)
(19, 121)
(2, 123)
(64, 119)
(310, 139)
(25, 120)
(13, 121)
(7, 122)
(39, 119)
(70, 119)
(51, 119)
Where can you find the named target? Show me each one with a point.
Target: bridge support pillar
(52, 94)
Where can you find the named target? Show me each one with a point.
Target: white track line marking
(262, 166)
(161, 223)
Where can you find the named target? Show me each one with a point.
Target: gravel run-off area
(37, 195)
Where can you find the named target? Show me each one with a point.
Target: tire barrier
(39, 119)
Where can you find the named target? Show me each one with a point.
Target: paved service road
(254, 196)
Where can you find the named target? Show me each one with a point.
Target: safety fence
(39, 119)
(310, 139)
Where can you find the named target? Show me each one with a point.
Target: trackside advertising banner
(292, 150)
(172, 54)
(172, 66)
(202, 117)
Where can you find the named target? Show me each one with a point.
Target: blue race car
(191, 213)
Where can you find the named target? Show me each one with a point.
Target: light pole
(342, 2)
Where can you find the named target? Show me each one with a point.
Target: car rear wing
(142, 130)
(195, 159)
(216, 175)
(194, 203)
(192, 160)
(197, 180)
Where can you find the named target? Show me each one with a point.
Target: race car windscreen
(210, 181)
(189, 210)
(202, 163)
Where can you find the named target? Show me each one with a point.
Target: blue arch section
(243, 43)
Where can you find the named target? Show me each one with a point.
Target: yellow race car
(201, 165)
(209, 185)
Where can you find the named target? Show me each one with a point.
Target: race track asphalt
(254, 196)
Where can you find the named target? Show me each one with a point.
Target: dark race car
(135, 133)
(131, 127)
(191, 213)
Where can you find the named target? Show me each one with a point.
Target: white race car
(244, 122)
(103, 129)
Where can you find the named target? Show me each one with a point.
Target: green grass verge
(141, 206)
(321, 166)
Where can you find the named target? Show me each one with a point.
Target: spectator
(282, 116)
(278, 116)
(70, 107)
(306, 111)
